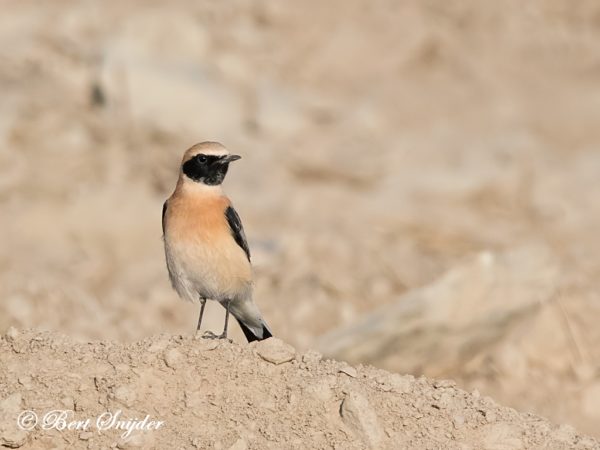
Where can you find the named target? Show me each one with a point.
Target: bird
(206, 250)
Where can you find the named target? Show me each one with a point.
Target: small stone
(391, 382)
(349, 370)
(440, 384)
(13, 438)
(358, 415)
(445, 400)
(12, 333)
(400, 384)
(86, 435)
(275, 351)
(312, 357)
(125, 395)
(458, 420)
(173, 358)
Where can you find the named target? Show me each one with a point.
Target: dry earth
(434, 162)
(221, 395)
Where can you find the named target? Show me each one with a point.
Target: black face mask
(207, 169)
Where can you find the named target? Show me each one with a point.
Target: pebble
(439, 384)
(125, 395)
(395, 383)
(458, 420)
(275, 351)
(312, 357)
(173, 358)
(86, 435)
(12, 333)
(349, 370)
(12, 436)
(360, 417)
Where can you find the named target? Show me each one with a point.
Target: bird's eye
(202, 159)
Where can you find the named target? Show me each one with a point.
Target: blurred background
(419, 182)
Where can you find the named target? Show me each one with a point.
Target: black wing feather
(163, 216)
(237, 230)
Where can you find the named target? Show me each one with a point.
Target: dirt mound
(185, 392)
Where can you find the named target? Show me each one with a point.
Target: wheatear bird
(205, 245)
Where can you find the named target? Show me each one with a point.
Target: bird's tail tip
(255, 335)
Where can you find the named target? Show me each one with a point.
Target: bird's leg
(203, 304)
(224, 334)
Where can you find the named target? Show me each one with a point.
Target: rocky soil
(220, 395)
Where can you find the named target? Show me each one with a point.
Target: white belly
(219, 271)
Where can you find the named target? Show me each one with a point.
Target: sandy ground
(392, 151)
(218, 395)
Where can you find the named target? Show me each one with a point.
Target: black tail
(266, 333)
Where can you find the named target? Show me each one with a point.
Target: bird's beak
(229, 158)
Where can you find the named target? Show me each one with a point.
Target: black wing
(163, 216)
(237, 230)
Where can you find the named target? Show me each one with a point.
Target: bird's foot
(211, 335)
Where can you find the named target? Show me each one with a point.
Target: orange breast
(203, 257)
(192, 219)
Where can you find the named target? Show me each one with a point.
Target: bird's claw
(211, 335)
